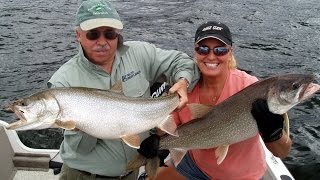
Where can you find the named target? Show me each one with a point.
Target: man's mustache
(101, 48)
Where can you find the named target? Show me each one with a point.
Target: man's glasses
(95, 34)
(218, 51)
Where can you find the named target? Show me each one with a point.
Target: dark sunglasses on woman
(95, 34)
(218, 51)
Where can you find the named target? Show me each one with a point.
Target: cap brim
(215, 36)
(95, 23)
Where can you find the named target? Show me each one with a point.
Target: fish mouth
(7, 108)
(308, 91)
(19, 113)
(21, 118)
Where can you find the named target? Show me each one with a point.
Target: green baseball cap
(96, 13)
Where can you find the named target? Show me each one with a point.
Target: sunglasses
(218, 51)
(95, 34)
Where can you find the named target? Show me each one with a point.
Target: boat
(19, 162)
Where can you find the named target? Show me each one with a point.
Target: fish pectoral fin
(169, 126)
(221, 153)
(198, 110)
(286, 121)
(132, 140)
(69, 125)
(177, 155)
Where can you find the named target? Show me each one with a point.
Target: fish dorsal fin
(177, 155)
(117, 87)
(169, 126)
(221, 153)
(132, 140)
(69, 125)
(286, 121)
(198, 110)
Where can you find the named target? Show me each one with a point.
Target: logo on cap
(99, 9)
(212, 28)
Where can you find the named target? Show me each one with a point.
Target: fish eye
(295, 85)
(24, 103)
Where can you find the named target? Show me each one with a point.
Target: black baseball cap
(213, 29)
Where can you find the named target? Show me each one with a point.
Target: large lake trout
(231, 121)
(103, 114)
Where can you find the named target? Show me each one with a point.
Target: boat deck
(35, 175)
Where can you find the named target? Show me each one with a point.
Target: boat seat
(29, 161)
(13, 163)
(7, 170)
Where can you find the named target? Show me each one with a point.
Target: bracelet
(186, 80)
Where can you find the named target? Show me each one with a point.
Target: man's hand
(270, 125)
(181, 88)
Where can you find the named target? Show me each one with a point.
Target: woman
(221, 79)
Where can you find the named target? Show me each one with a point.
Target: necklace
(214, 98)
(209, 95)
(205, 98)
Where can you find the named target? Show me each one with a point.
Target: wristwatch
(186, 80)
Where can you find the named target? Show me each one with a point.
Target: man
(103, 60)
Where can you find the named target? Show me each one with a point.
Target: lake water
(270, 37)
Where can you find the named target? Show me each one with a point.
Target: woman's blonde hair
(233, 62)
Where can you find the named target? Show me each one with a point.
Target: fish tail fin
(151, 165)
(136, 163)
